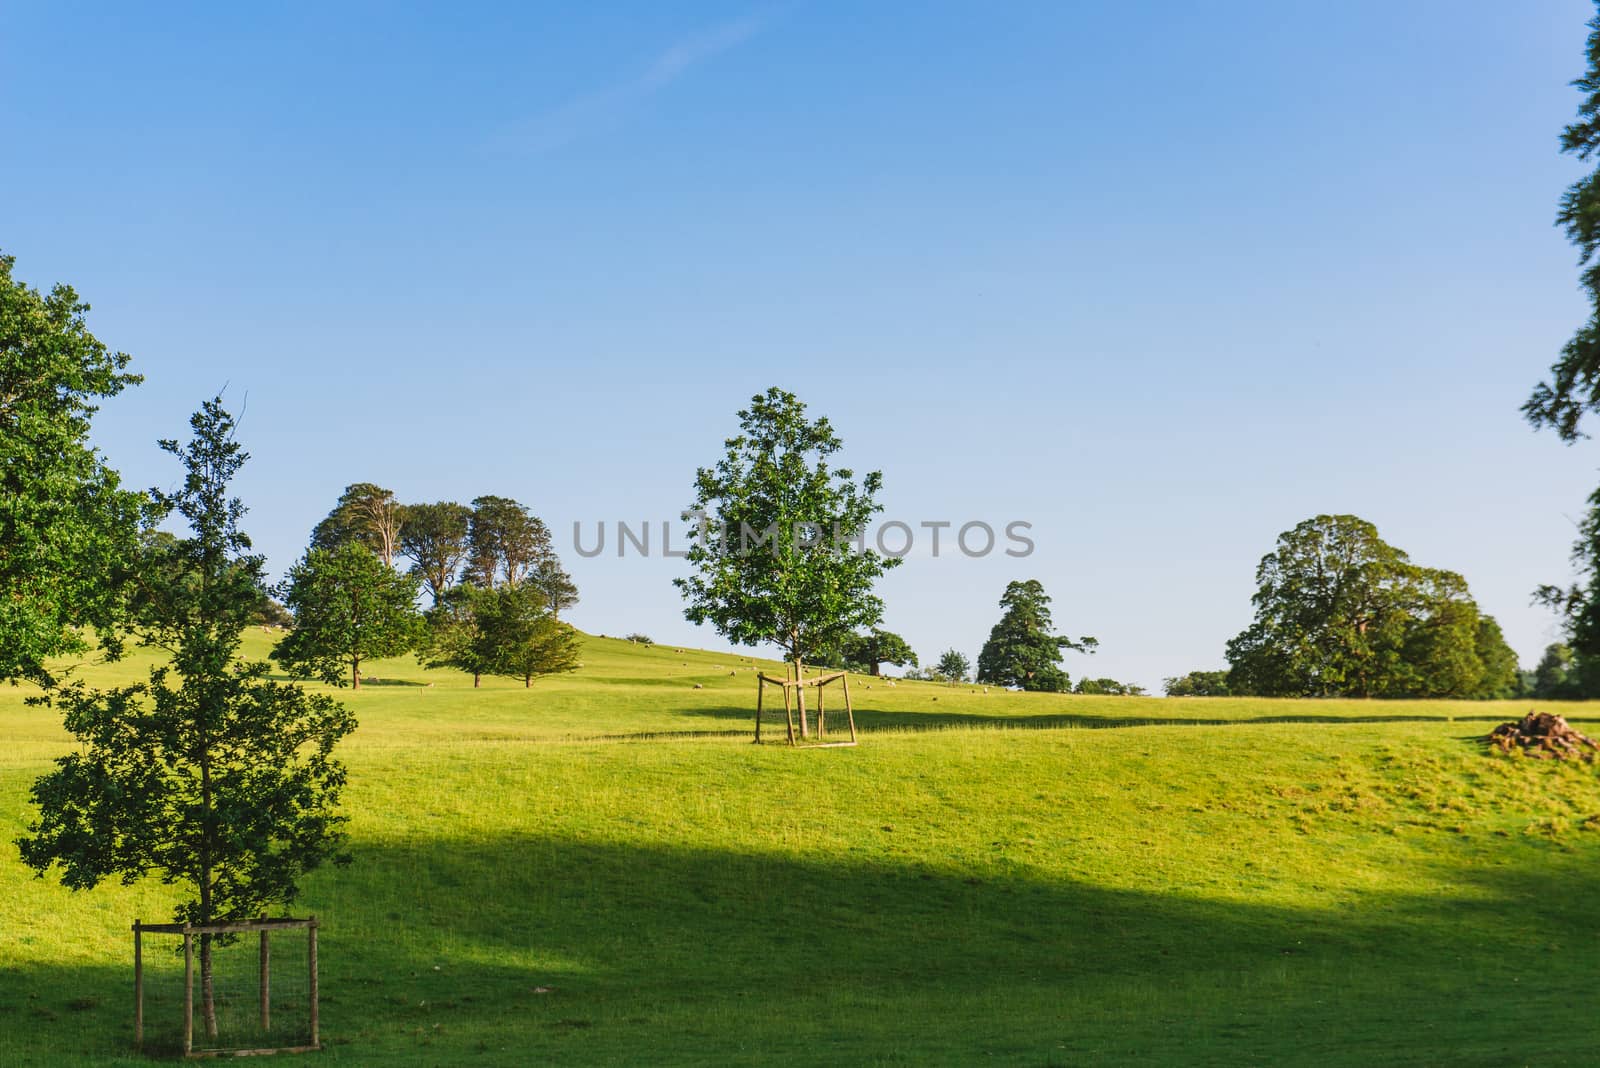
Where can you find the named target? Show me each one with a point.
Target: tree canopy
(68, 531)
(505, 542)
(434, 538)
(1573, 387)
(772, 555)
(1022, 651)
(349, 607)
(953, 666)
(1341, 613)
(366, 514)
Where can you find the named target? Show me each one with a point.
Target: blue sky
(1160, 279)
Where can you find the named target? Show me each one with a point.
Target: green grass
(603, 870)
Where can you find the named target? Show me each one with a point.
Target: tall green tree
(366, 514)
(434, 538)
(1501, 680)
(450, 636)
(69, 534)
(953, 666)
(209, 776)
(505, 542)
(1573, 387)
(1342, 613)
(551, 579)
(518, 636)
(1022, 651)
(771, 555)
(870, 651)
(349, 607)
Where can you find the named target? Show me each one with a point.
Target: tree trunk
(476, 678)
(527, 681)
(355, 673)
(800, 698)
(208, 996)
(875, 669)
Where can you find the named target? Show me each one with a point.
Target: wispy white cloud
(569, 121)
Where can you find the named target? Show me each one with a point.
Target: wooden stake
(188, 991)
(311, 951)
(788, 715)
(266, 980)
(848, 711)
(761, 689)
(138, 985)
(800, 703)
(821, 715)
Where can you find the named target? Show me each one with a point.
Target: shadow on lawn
(871, 720)
(519, 949)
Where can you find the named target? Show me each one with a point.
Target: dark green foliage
(953, 666)
(1500, 680)
(506, 631)
(366, 515)
(519, 638)
(1341, 613)
(450, 637)
(1197, 684)
(210, 775)
(434, 538)
(1561, 676)
(772, 558)
(349, 606)
(639, 639)
(869, 652)
(1574, 384)
(1108, 688)
(553, 582)
(68, 532)
(505, 543)
(1021, 651)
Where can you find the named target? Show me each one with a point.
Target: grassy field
(603, 870)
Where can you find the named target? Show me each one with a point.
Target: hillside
(602, 866)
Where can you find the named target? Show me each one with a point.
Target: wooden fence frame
(265, 926)
(764, 680)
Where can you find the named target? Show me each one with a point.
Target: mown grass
(602, 870)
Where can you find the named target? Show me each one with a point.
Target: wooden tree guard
(264, 925)
(798, 686)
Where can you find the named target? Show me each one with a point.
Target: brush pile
(1543, 736)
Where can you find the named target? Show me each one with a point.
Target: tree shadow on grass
(892, 720)
(514, 949)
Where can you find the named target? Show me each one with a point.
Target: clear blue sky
(1161, 279)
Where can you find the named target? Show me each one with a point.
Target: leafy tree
(1108, 688)
(1574, 384)
(868, 652)
(1340, 612)
(519, 638)
(953, 666)
(1500, 680)
(434, 537)
(450, 636)
(771, 558)
(552, 580)
(1197, 684)
(1558, 676)
(367, 515)
(505, 542)
(209, 776)
(1021, 651)
(349, 606)
(68, 531)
